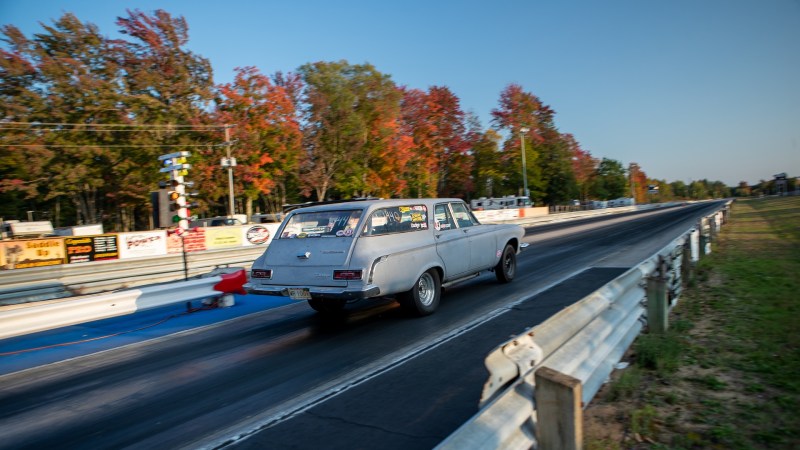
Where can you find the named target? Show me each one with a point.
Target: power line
(145, 127)
(111, 146)
(109, 130)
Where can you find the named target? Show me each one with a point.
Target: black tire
(329, 306)
(423, 298)
(506, 268)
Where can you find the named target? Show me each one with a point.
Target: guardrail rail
(540, 380)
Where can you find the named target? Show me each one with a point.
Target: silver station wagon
(408, 249)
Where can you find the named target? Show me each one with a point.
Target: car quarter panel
(394, 262)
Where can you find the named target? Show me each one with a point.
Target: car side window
(462, 215)
(397, 219)
(443, 218)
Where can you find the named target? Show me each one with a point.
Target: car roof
(375, 204)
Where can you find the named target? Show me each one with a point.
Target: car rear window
(397, 219)
(325, 224)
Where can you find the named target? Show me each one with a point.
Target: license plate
(299, 294)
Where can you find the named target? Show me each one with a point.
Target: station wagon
(408, 249)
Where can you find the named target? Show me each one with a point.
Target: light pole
(522, 132)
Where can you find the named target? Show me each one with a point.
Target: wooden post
(705, 237)
(657, 302)
(559, 423)
(686, 262)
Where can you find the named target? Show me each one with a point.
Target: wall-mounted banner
(222, 237)
(22, 254)
(91, 248)
(142, 243)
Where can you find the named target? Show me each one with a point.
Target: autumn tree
(351, 126)
(584, 167)
(519, 110)
(169, 89)
(63, 82)
(267, 141)
(441, 162)
(637, 179)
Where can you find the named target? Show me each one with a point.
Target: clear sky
(689, 89)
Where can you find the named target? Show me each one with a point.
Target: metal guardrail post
(559, 423)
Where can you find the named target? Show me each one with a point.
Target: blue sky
(689, 89)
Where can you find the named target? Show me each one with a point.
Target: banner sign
(22, 254)
(192, 240)
(223, 237)
(91, 248)
(142, 243)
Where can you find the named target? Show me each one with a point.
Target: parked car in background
(409, 249)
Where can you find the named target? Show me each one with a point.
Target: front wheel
(506, 268)
(423, 298)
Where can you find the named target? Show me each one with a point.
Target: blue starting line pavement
(92, 337)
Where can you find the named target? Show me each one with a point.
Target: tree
(267, 140)
(556, 153)
(743, 190)
(638, 182)
(679, 189)
(169, 90)
(487, 169)
(584, 166)
(66, 76)
(351, 125)
(519, 109)
(440, 163)
(610, 182)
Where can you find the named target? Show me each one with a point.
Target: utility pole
(229, 163)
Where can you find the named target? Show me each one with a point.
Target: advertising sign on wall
(258, 234)
(142, 243)
(22, 254)
(91, 248)
(193, 240)
(223, 237)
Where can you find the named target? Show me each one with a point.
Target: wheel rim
(425, 291)
(508, 264)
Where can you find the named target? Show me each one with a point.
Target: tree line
(84, 118)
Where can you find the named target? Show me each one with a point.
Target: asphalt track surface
(271, 374)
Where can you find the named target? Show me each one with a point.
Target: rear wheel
(506, 268)
(329, 306)
(423, 298)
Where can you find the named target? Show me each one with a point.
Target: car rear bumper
(316, 291)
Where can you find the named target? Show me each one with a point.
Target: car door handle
(305, 255)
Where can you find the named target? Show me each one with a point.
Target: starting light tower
(177, 168)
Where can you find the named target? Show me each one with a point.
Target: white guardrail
(25, 319)
(540, 380)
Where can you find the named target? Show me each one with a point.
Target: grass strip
(726, 373)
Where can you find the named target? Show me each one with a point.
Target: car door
(482, 240)
(452, 243)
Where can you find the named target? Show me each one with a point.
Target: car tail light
(261, 273)
(347, 274)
